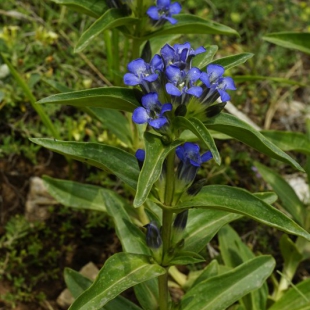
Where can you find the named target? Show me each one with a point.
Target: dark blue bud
(180, 220)
(153, 237)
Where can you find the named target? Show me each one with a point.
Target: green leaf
(147, 294)
(209, 271)
(76, 195)
(240, 201)
(292, 258)
(118, 98)
(234, 252)
(155, 154)
(131, 237)
(22, 83)
(232, 61)
(221, 291)
(199, 129)
(202, 225)
(119, 162)
(289, 198)
(77, 284)
(191, 24)
(296, 298)
(92, 8)
(288, 140)
(268, 197)
(185, 258)
(112, 18)
(254, 78)
(120, 271)
(296, 40)
(232, 126)
(201, 60)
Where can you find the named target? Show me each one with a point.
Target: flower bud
(153, 237)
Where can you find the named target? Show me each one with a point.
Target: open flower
(152, 111)
(191, 160)
(182, 82)
(214, 80)
(142, 73)
(163, 11)
(180, 54)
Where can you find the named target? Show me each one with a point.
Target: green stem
(170, 179)
(108, 45)
(116, 62)
(163, 291)
(135, 48)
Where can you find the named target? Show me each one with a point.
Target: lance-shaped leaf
(288, 140)
(234, 60)
(221, 291)
(77, 284)
(147, 294)
(110, 19)
(119, 162)
(118, 98)
(289, 198)
(234, 127)
(201, 60)
(200, 130)
(203, 224)
(155, 154)
(120, 272)
(191, 24)
(234, 252)
(295, 40)
(240, 201)
(75, 194)
(296, 298)
(131, 237)
(92, 8)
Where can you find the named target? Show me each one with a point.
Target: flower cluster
(170, 78)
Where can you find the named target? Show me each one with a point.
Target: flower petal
(193, 74)
(168, 53)
(172, 20)
(199, 50)
(140, 154)
(215, 72)
(165, 108)
(204, 78)
(172, 90)
(152, 12)
(157, 63)
(227, 82)
(159, 122)
(175, 8)
(180, 152)
(173, 74)
(206, 156)
(191, 148)
(150, 100)
(163, 3)
(224, 96)
(195, 91)
(137, 66)
(151, 77)
(131, 80)
(140, 116)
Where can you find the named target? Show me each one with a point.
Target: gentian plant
(175, 99)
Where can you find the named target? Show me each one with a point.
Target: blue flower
(182, 82)
(153, 237)
(215, 81)
(142, 73)
(163, 11)
(188, 153)
(180, 54)
(140, 155)
(152, 111)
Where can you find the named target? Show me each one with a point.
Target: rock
(65, 299)
(38, 201)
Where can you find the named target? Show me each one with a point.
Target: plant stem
(163, 291)
(135, 48)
